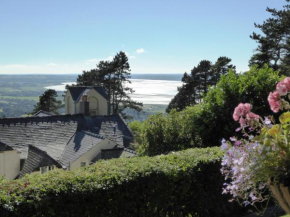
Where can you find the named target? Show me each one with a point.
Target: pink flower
(251, 116)
(273, 100)
(286, 82)
(282, 90)
(242, 122)
(248, 107)
(240, 110)
(236, 117)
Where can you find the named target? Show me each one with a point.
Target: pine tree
(114, 76)
(48, 102)
(195, 85)
(274, 42)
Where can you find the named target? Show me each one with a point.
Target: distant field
(35, 98)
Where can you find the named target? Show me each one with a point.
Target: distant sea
(149, 88)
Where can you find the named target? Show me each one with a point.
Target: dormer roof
(77, 91)
(4, 147)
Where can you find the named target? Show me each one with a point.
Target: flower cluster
(276, 98)
(244, 115)
(263, 153)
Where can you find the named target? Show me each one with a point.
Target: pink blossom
(236, 117)
(273, 100)
(251, 116)
(282, 90)
(242, 122)
(286, 82)
(248, 107)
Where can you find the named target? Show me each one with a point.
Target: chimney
(85, 105)
(84, 97)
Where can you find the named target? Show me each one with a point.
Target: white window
(44, 169)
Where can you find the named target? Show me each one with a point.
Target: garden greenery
(261, 157)
(206, 124)
(186, 183)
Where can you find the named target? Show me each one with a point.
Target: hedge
(186, 183)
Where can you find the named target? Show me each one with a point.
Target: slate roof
(36, 158)
(112, 127)
(77, 91)
(79, 144)
(49, 134)
(42, 114)
(61, 139)
(4, 147)
(107, 154)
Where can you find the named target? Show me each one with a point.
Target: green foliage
(206, 124)
(196, 84)
(274, 42)
(185, 183)
(48, 102)
(215, 120)
(162, 134)
(114, 77)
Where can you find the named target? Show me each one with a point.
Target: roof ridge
(93, 134)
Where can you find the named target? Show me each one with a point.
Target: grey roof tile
(79, 144)
(36, 158)
(50, 134)
(77, 91)
(4, 147)
(112, 127)
(42, 114)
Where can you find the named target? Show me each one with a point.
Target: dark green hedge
(186, 183)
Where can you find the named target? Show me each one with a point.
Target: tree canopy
(48, 102)
(207, 123)
(196, 84)
(114, 77)
(274, 42)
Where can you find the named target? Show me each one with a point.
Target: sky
(158, 36)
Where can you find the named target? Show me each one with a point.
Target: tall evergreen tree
(274, 42)
(48, 102)
(196, 84)
(114, 76)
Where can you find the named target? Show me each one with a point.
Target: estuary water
(149, 89)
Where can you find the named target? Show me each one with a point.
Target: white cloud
(132, 57)
(51, 64)
(109, 58)
(140, 50)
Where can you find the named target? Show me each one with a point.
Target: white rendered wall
(9, 164)
(69, 104)
(91, 154)
(102, 102)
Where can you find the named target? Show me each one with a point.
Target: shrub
(186, 183)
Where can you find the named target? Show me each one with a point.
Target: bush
(186, 183)
(206, 124)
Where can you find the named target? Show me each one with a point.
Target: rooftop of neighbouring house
(77, 91)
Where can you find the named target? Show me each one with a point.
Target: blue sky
(159, 36)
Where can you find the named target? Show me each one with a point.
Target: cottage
(42, 143)
(90, 101)
(9, 161)
(81, 137)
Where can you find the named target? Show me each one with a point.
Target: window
(44, 169)
(83, 164)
